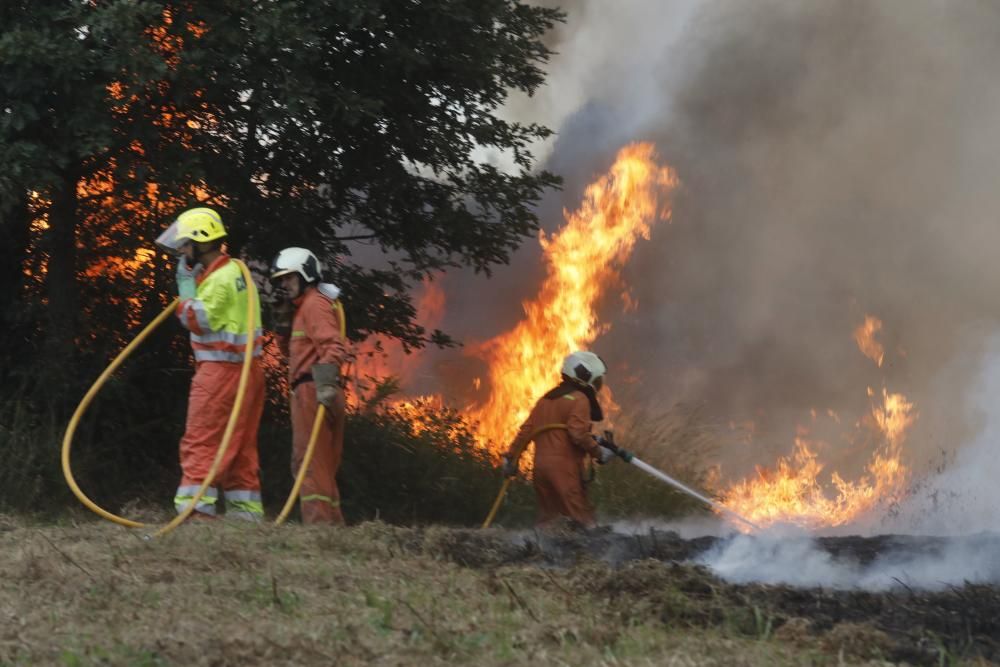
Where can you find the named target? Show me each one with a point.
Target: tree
(333, 121)
(306, 122)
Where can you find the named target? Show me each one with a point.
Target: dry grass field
(219, 594)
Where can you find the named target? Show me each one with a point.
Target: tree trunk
(61, 325)
(15, 224)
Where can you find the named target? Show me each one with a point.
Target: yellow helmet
(199, 224)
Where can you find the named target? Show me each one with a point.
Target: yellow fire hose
(506, 482)
(227, 435)
(317, 424)
(85, 403)
(306, 460)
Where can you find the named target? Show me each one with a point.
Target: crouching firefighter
(213, 307)
(560, 426)
(309, 323)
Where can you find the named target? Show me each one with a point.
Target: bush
(29, 458)
(418, 466)
(415, 463)
(125, 446)
(421, 464)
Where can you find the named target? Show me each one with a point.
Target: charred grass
(220, 594)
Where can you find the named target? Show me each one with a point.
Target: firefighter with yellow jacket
(213, 307)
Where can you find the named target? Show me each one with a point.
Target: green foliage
(307, 122)
(322, 123)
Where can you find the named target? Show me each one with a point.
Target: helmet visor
(168, 240)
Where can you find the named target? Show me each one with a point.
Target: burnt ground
(655, 572)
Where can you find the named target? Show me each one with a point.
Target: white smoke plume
(798, 560)
(963, 496)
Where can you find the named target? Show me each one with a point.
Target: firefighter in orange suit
(309, 331)
(560, 426)
(213, 307)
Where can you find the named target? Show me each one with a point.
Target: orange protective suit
(560, 456)
(316, 339)
(216, 318)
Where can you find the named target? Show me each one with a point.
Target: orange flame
(419, 411)
(379, 357)
(864, 335)
(582, 261)
(794, 493)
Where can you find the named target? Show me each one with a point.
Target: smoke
(798, 560)
(960, 497)
(837, 160)
(687, 528)
(834, 166)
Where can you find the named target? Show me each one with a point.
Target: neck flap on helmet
(568, 386)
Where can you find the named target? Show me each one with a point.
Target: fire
(419, 411)
(380, 357)
(582, 260)
(793, 492)
(864, 335)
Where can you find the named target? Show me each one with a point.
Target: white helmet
(297, 260)
(586, 368)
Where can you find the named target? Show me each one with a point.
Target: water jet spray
(627, 456)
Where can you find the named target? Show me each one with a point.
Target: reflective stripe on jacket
(217, 315)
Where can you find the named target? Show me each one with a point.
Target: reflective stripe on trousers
(317, 498)
(213, 393)
(206, 504)
(244, 504)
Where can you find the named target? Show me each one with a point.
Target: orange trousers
(213, 392)
(319, 496)
(560, 492)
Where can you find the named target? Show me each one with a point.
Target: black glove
(607, 441)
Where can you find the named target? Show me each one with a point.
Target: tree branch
(359, 237)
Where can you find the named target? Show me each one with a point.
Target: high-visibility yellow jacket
(217, 315)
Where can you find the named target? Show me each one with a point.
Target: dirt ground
(219, 594)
